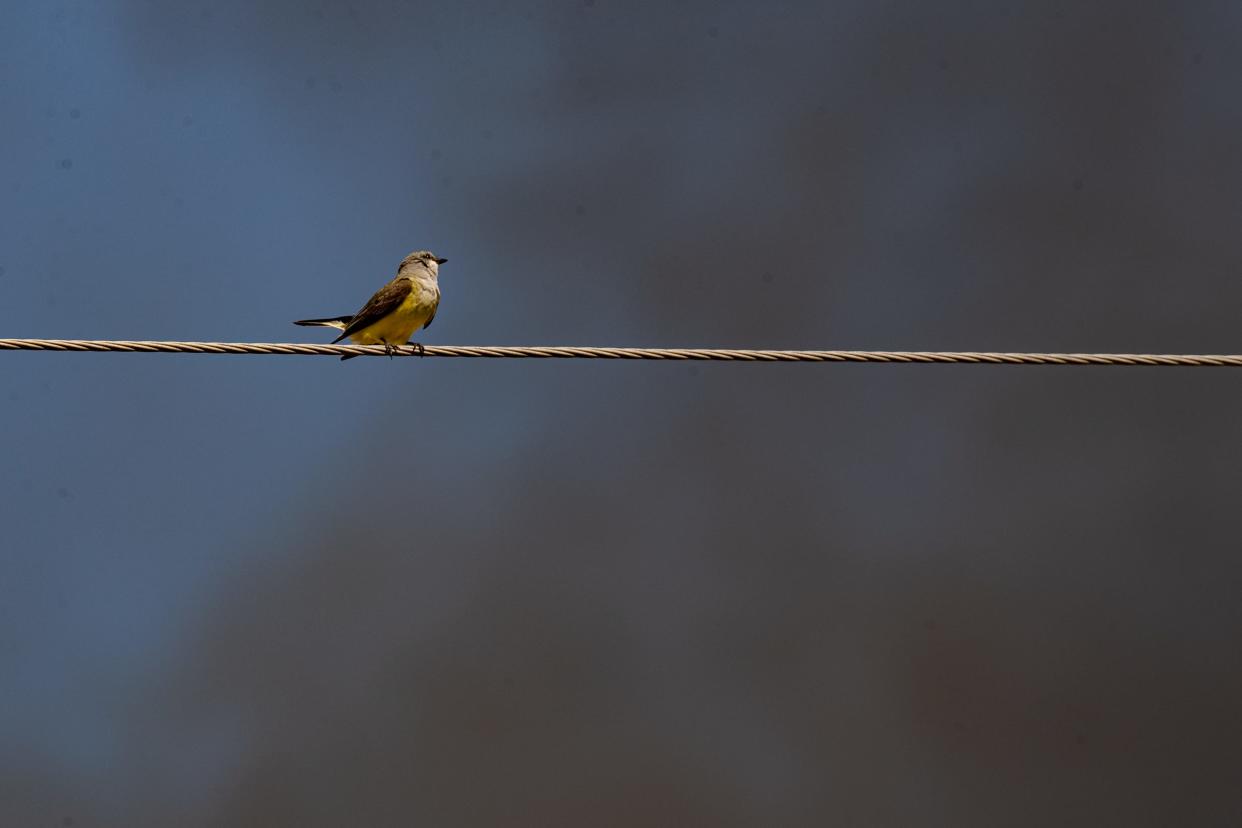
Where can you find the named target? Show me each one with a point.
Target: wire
(538, 352)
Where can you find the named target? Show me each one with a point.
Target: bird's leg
(418, 347)
(389, 349)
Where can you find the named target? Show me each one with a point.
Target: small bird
(398, 309)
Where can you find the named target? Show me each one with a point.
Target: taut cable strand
(540, 352)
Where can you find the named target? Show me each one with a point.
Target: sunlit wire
(542, 352)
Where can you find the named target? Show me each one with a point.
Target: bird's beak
(441, 261)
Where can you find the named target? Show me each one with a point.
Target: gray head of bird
(422, 259)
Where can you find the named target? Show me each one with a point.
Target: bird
(406, 304)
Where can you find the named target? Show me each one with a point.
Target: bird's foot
(390, 350)
(418, 348)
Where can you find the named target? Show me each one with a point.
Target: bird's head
(422, 258)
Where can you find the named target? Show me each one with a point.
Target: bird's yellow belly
(397, 327)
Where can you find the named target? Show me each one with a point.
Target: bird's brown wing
(384, 302)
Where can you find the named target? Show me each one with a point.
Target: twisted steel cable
(542, 352)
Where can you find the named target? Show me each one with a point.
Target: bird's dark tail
(338, 322)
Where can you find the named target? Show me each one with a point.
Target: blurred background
(289, 591)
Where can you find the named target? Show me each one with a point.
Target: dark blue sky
(242, 590)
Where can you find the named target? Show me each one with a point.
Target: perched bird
(398, 309)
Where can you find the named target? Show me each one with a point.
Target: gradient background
(286, 591)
